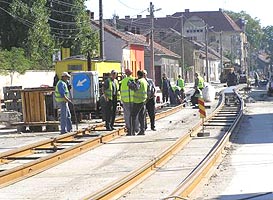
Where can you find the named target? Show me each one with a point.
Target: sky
(258, 9)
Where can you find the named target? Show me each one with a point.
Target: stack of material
(12, 98)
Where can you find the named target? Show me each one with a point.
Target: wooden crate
(33, 104)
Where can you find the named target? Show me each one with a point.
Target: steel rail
(187, 186)
(38, 165)
(122, 185)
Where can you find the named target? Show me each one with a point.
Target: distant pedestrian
(62, 99)
(232, 78)
(150, 104)
(165, 86)
(257, 79)
(111, 89)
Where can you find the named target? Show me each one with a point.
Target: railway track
(29, 160)
(221, 122)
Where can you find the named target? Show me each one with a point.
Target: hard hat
(65, 74)
(145, 72)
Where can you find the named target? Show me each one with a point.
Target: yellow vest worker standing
(111, 89)
(198, 81)
(127, 98)
(62, 99)
(198, 86)
(181, 83)
(140, 98)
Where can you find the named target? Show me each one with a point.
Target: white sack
(208, 93)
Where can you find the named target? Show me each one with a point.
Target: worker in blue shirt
(62, 99)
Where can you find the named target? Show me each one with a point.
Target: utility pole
(101, 31)
(207, 61)
(152, 68)
(221, 52)
(182, 49)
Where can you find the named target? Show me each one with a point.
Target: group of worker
(137, 95)
(173, 93)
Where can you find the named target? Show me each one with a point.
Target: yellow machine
(91, 86)
(75, 64)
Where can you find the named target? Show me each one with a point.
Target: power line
(127, 5)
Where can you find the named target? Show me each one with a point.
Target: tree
(86, 39)
(268, 43)
(253, 29)
(40, 43)
(14, 61)
(10, 26)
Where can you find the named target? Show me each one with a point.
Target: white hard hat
(65, 74)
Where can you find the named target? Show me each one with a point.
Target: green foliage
(48, 25)
(86, 38)
(268, 41)
(14, 61)
(253, 30)
(40, 43)
(10, 26)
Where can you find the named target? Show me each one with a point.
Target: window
(133, 29)
(137, 30)
(75, 68)
(161, 34)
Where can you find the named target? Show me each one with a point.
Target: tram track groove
(124, 184)
(60, 154)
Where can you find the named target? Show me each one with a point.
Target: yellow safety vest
(180, 83)
(140, 95)
(57, 93)
(200, 82)
(109, 91)
(125, 93)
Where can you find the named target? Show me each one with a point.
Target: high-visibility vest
(57, 93)
(125, 93)
(180, 83)
(140, 95)
(109, 91)
(200, 82)
(174, 88)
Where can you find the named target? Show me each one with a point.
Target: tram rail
(45, 154)
(226, 116)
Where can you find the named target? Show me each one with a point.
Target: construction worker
(111, 90)
(62, 99)
(150, 104)
(181, 83)
(165, 86)
(175, 95)
(198, 86)
(127, 101)
(198, 81)
(140, 98)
